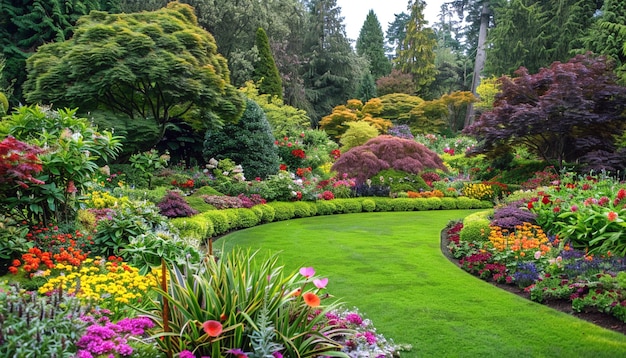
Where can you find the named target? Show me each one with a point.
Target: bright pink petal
(321, 283)
(307, 272)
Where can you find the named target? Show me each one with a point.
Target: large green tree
(151, 66)
(331, 70)
(371, 45)
(396, 31)
(28, 24)
(607, 40)
(265, 70)
(417, 55)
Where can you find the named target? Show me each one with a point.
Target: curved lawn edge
(390, 266)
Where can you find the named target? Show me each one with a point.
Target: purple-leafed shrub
(386, 152)
(512, 215)
(223, 201)
(174, 206)
(250, 201)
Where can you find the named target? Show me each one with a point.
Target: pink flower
(237, 353)
(307, 272)
(320, 283)
(212, 328)
(537, 255)
(574, 208)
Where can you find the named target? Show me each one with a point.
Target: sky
(355, 12)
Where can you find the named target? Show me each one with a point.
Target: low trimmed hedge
(476, 226)
(217, 222)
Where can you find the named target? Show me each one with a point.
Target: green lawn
(390, 266)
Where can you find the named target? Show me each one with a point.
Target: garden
(158, 210)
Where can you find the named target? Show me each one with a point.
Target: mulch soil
(595, 317)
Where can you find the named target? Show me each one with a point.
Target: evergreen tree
(371, 45)
(417, 55)
(396, 32)
(367, 88)
(248, 142)
(265, 70)
(27, 24)
(331, 66)
(604, 41)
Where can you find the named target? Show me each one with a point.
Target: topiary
(302, 209)
(282, 211)
(368, 205)
(476, 227)
(387, 152)
(246, 218)
(325, 207)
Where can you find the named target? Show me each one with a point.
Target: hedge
(217, 222)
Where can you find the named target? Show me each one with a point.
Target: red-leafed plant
(386, 152)
(18, 162)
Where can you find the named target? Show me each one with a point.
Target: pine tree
(417, 55)
(265, 70)
(367, 88)
(603, 41)
(396, 32)
(371, 45)
(330, 64)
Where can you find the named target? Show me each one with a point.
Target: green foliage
(448, 203)
(398, 106)
(487, 91)
(13, 242)
(417, 56)
(219, 220)
(403, 204)
(476, 226)
(206, 190)
(368, 205)
(366, 89)
(246, 218)
(151, 66)
(303, 209)
(326, 207)
(4, 104)
(395, 82)
(351, 205)
(371, 45)
(249, 142)
(147, 163)
(197, 227)
(383, 204)
(236, 291)
(399, 180)
(282, 211)
(264, 212)
(265, 70)
(285, 120)
(358, 133)
(53, 320)
(336, 123)
(198, 204)
(74, 149)
(138, 135)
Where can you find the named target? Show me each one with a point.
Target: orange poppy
(212, 328)
(311, 299)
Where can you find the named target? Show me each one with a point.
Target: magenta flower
(186, 354)
(237, 353)
(307, 272)
(320, 283)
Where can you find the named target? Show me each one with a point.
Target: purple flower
(354, 318)
(186, 354)
(237, 353)
(277, 354)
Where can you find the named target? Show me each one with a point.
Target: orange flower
(212, 328)
(311, 299)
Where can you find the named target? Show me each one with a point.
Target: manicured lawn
(390, 266)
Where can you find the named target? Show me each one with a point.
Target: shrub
(383, 204)
(223, 201)
(350, 205)
(249, 142)
(282, 211)
(247, 218)
(512, 215)
(198, 204)
(432, 203)
(268, 212)
(368, 205)
(326, 207)
(369, 190)
(403, 204)
(476, 227)
(386, 152)
(464, 202)
(302, 209)
(399, 181)
(152, 195)
(448, 203)
(174, 206)
(219, 220)
(206, 190)
(198, 227)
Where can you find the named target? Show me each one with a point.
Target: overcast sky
(355, 12)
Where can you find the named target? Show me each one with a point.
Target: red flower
(282, 167)
(621, 194)
(311, 299)
(545, 200)
(612, 215)
(298, 153)
(212, 328)
(530, 205)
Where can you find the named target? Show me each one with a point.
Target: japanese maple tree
(568, 112)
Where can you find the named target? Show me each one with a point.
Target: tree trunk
(481, 56)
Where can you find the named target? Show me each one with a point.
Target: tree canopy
(371, 45)
(150, 66)
(564, 113)
(265, 70)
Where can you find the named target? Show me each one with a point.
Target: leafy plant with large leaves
(152, 66)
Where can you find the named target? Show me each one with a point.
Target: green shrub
(326, 207)
(232, 217)
(152, 195)
(219, 220)
(464, 202)
(246, 218)
(448, 203)
(352, 205)
(476, 226)
(433, 203)
(403, 204)
(197, 227)
(198, 203)
(302, 209)
(206, 190)
(368, 205)
(339, 207)
(282, 210)
(400, 181)
(383, 204)
(268, 213)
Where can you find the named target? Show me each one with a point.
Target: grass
(390, 266)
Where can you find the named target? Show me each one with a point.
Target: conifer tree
(417, 55)
(605, 40)
(371, 45)
(265, 70)
(367, 88)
